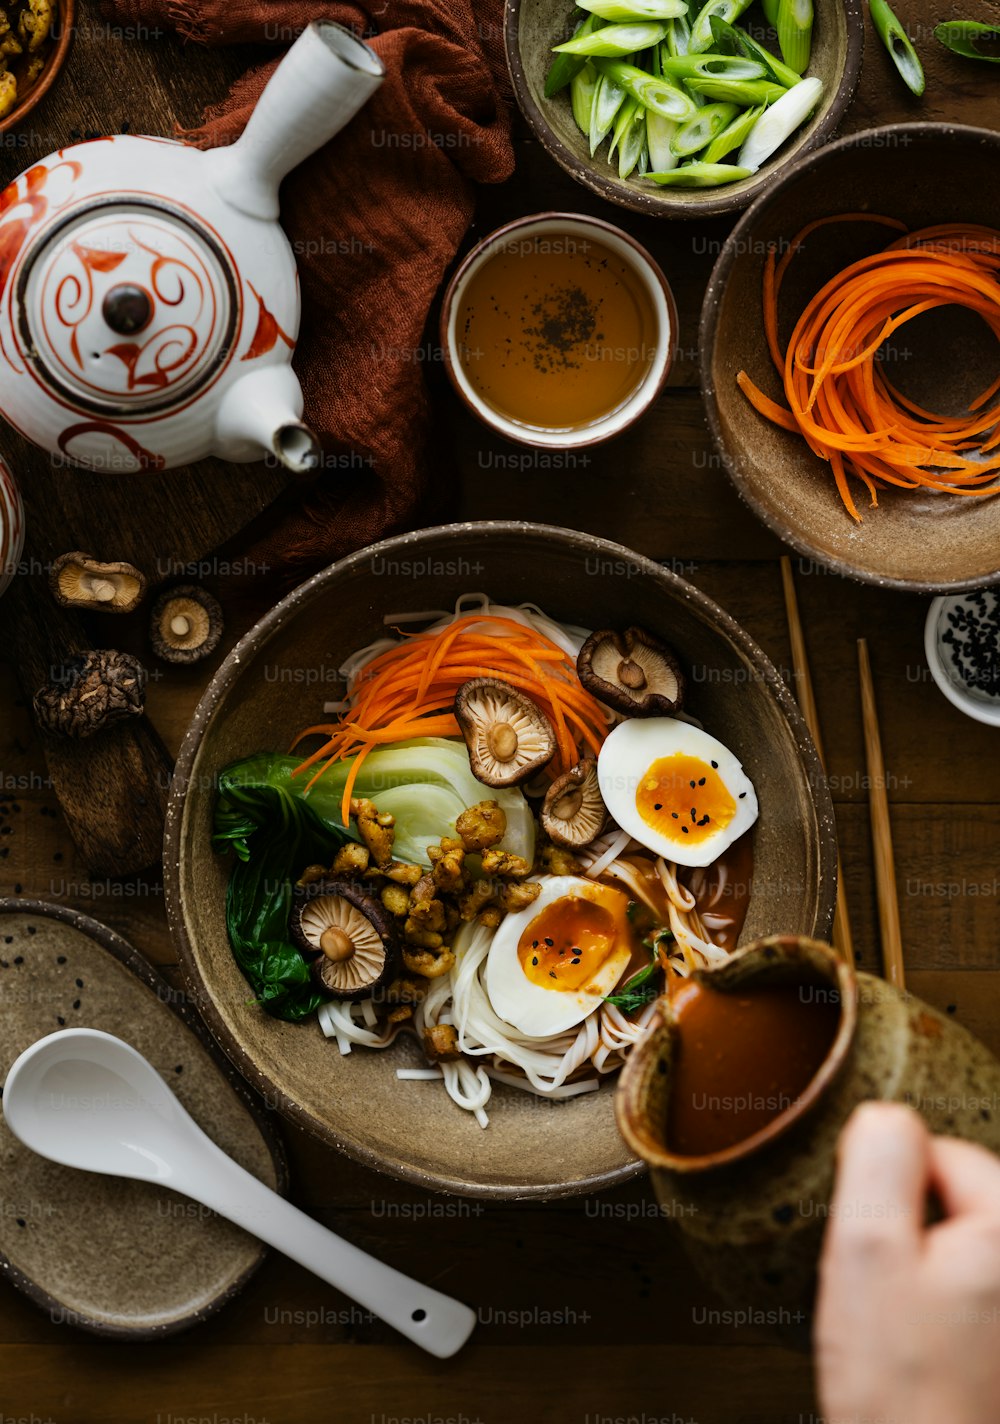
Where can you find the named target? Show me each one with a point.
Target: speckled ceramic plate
(276, 680)
(118, 1257)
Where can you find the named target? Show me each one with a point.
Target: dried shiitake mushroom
(347, 935)
(573, 812)
(92, 691)
(185, 624)
(633, 672)
(508, 737)
(79, 580)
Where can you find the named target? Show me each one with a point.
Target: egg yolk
(684, 798)
(566, 943)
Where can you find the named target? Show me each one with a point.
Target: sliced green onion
(737, 91)
(678, 39)
(608, 100)
(629, 137)
(712, 66)
(732, 136)
(701, 30)
(779, 121)
(657, 94)
(564, 66)
(730, 39)
(707, 124)
(963, 37)
(795, 27)
(700, 175)
(659, 132)
(582, 90)
(897, 42)
(770, 8)
(633, 11)
(614, 41)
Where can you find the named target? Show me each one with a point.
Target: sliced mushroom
(185, 625)
(347, 935)
(508, 737)
(80, 581)
(633, 672)
(573, 812)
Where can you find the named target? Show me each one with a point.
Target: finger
(965, 1176)
(882, 1178)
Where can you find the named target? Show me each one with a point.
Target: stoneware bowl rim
(230, 671)
(183, 1008)
(649, 389)
(741, 234)
(629, 1097)
(66, 18)
(710, 202)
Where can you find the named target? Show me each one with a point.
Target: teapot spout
(260, 416)
(319, 86)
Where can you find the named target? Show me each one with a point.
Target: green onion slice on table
(965, 36)
(897, 42)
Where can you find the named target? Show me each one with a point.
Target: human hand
(908, 1317)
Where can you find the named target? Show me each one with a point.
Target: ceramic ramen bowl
(277, 679)
(924, 175)
(11, 525)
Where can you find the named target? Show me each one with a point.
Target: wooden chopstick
(842, 937)
(878, 804)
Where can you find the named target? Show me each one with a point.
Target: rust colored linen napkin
(376, 217)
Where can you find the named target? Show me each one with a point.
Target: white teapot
(149, 301)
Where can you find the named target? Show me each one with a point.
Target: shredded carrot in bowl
(839, 399)
(409, 691)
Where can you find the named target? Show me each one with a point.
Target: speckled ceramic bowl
(63, 30)
(922, 174)
(532, 27)
(277, 679)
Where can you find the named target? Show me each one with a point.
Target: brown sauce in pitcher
(743, 1058)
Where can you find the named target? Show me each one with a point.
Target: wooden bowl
(532, 27)
(923, 174)
(277, 679)
(62, 32)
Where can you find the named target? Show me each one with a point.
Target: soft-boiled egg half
(675, 789)
(552, 963)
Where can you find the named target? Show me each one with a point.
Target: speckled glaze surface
(11, 525)
(532, 27)
(753, 1226)
(923, 174)
(276, 680)
(117, 1257)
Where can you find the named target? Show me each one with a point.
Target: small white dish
(979, 705)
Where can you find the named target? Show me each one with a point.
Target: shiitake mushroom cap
(633, 672)
(509, 738)
(347, 936)
(573, 813)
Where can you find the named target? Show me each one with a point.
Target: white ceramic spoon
(90, 1100)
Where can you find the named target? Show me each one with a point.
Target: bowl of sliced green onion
(681, 110)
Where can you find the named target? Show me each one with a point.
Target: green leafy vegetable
(643, 987)
(274, 836)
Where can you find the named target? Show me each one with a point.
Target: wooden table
(588, 1312)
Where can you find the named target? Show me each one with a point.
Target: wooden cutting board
(113, 786)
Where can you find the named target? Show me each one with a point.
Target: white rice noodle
(597, 857)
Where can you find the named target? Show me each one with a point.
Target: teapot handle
(322, 82)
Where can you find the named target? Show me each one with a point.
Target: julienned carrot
(839, 398)
(408, 691)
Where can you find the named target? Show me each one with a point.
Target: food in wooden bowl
(849, 357)
(35, 37)
(680, 110)
(457, 830)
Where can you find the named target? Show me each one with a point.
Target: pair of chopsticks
(885, 873)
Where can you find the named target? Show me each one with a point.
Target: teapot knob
(127, 309)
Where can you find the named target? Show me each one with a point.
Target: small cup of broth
(558, 330)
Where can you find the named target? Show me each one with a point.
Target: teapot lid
(127, 306)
